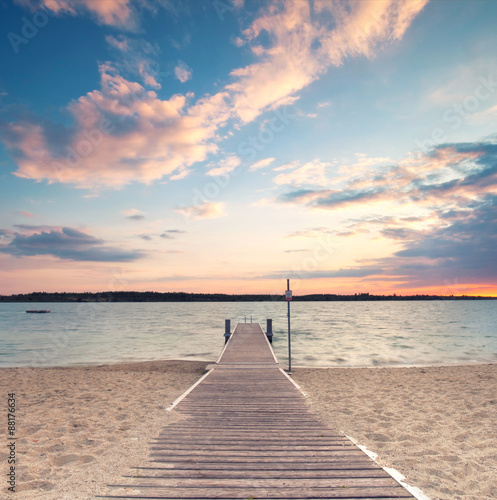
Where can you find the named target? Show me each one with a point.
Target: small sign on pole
(288, 295)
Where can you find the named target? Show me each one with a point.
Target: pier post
(227, 330)
(269, 330)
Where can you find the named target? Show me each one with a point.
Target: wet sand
(80, 429)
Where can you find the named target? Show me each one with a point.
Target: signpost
(288, 297)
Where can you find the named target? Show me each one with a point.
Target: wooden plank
(246, 432)
(254, 473)
(277, 492)
(240, 482)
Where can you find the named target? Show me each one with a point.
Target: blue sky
(226, 145)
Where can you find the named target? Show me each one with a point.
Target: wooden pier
(247, 433)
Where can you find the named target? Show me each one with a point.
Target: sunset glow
(226, 146)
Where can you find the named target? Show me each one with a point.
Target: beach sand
(83, 428)
(436, 425)
(80, 429)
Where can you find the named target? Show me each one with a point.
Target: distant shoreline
(121, 296)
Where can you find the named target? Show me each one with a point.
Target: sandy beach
(82, 428)
(436, 425)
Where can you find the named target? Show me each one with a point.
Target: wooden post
(227, 330)
(269, 330)
(289, 341)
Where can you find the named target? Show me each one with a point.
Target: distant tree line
(129, 296)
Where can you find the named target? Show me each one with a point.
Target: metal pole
(289, 341)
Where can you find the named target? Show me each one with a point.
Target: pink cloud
(451, 176)
(112, 12)
(313, 172)
(304, 46)
(261, 164)
(207, 210)
(122, 133)
(183, 72)
(225, 166)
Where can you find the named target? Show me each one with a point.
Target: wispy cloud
(313, 232)
(207, 210)
(306, 40)
(68, 244)
(182, 72)
(124, 132)
(171, 234)
(225, 166)
(449, 174)
(27, 214)
(311, 173)
(118, 13)
(135, 58)
(261, 164)
(133, 214)
(461, 252)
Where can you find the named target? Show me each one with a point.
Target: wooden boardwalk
(247, 433)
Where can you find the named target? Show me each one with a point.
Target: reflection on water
(323, 333)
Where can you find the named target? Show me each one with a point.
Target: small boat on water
(39, 311)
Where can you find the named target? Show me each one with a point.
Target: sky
(226, 145)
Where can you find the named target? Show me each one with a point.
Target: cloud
(261, 164)
(183, 72)
(287, 166)
(68, 244)
(170, 234)
(305, 39)
(353, 272)
(462, 252)
(135, 58)
(450, 174)
(121, 133)
(225, 166)
(313, 232)
(133, 214)
(207, 210)
(311, 173)
(119, 13)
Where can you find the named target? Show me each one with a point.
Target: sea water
(322, 333)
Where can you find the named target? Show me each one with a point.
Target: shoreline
(284, 365)
(88, 425)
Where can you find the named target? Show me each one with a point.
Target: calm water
(323, 333)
